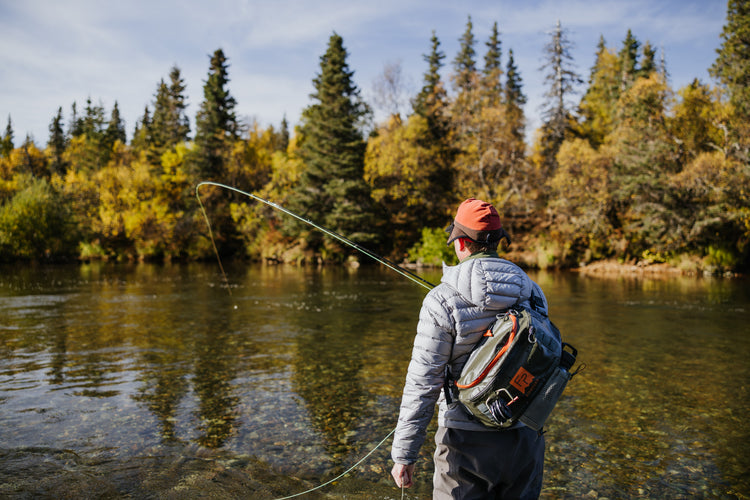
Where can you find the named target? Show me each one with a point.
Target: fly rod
(395, 267)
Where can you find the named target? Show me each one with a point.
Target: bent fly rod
(395, 267)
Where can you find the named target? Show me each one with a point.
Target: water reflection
(328, 361)
(664, 390)
(213, 375)
(153, 376)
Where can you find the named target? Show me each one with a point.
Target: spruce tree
(663, 66)
(562, 81)
(169, 125)
(732, 65)
(282, 142)
(158, 130)
(431, 104)
(431, 77)
(332, 190)
(514, 98)
(628, 59)
(141, 132)
(216, 123)
(6, 145)
(115, 131)
(464, 66)
(75, 128)
(598, 105)
(491, 84)
(180, 123)
(648, 62)
(432, 98)
(57, 144)
(92, 124)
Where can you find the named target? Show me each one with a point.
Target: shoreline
(611, 268)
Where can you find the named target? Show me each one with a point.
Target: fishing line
(403, 272)
(213, 242)
(343, 473)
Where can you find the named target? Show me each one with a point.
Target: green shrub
(432, 250)
(35, 223)
(721, 259)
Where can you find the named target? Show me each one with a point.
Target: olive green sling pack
(516, 372)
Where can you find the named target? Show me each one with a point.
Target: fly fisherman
(471, 461)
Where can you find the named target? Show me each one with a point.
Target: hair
(475, 246)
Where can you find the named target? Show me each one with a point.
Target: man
(471, 461)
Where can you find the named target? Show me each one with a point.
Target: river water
(157, 381)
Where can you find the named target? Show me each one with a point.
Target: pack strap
(496, 358)
(448, 388)
(537, 303)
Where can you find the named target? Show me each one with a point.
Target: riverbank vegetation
(623, 167)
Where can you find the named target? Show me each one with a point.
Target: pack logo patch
(522, 379)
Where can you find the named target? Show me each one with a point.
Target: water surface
(154, 381)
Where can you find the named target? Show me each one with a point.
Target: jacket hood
(489, 283)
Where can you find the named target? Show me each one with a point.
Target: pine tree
(216, 123)
(6, 145)
(332, 189)
(464, 66)
(57, 144)
(491, 85)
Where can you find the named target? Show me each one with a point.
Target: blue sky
(55, 52)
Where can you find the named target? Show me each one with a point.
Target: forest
(622, 168)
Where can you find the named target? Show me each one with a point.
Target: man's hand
(403, 475)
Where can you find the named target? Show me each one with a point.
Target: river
(158, 381)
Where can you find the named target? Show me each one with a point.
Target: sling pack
(516, 372)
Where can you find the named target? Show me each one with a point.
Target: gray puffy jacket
(454, 316)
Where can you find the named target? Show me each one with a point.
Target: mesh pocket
(540, 408)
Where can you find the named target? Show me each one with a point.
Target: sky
(56, 52)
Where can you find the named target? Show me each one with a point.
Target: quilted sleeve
(424, 378)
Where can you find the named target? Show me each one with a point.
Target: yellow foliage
(579, 196)
(27, 159)
(707, 177)
(397, 165)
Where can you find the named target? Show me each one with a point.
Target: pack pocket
(541, 406)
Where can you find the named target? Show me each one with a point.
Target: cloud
(52, 52)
